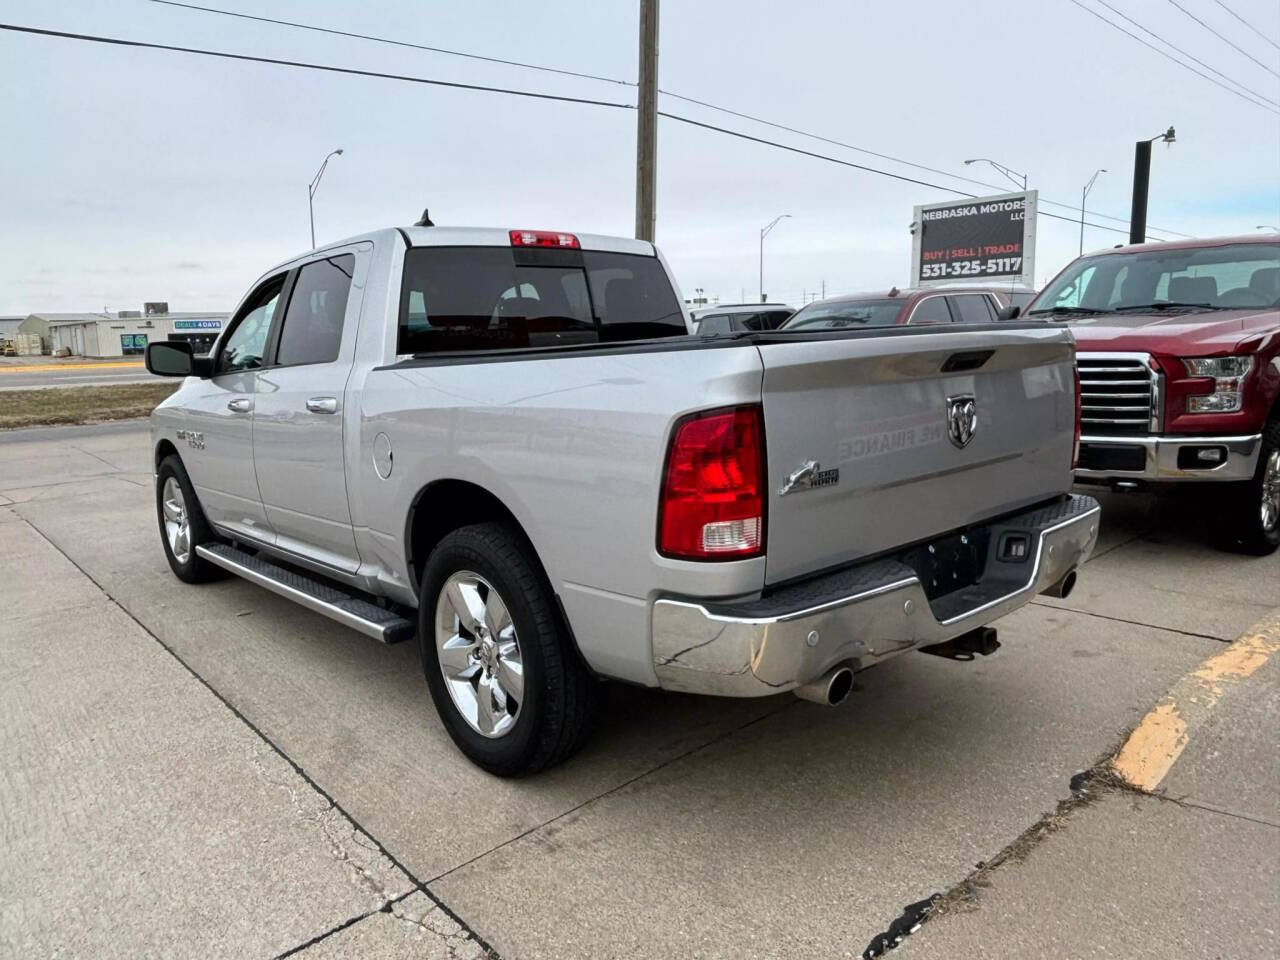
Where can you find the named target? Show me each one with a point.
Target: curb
(1159, 739)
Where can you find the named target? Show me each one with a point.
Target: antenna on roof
(426, 219)
(894, 291)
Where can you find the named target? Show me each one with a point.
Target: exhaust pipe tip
(1062, 589)
(830, 689)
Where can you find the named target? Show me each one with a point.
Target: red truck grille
(1119, 395)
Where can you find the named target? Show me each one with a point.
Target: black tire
(194, 569)
(1244, 502)
(558, 709)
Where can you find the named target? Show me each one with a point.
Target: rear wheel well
(444, 506)
(447, 505)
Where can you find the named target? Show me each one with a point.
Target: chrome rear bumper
(860, 615)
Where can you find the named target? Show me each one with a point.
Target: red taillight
(543, 238)
(712, 501)
(1075, 447)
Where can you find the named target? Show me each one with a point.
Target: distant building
(9, 326)
(123, 334)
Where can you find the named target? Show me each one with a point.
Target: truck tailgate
(876, 407)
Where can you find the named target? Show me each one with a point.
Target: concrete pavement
(688, 827)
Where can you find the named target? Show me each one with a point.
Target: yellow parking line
(37, 367)
(1158, 741)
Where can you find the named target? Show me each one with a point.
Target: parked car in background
(911, 305)
(737, 317)
(1179, 357)
(506, 444)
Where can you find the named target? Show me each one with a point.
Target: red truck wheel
(1256, 505)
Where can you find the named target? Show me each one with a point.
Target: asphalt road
(51, 373)
(213, 770)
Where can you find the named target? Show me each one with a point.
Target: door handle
(240, 405)
(323, 405)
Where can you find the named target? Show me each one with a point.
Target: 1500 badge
(809, 475)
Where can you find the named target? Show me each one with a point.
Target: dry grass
(30, 408)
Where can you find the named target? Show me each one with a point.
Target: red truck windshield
(1230, 277)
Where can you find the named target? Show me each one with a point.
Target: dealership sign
(987, 238)
(197, 324)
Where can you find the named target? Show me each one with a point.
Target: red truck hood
(1183, 334)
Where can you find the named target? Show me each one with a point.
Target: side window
(776, 318)
(972, 308)
(931, 310)
(247, 342)
(312, 330)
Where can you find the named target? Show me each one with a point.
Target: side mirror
(174, 358)
(1011, 312)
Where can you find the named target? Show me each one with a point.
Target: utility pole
(647, 121)
(1141, 182)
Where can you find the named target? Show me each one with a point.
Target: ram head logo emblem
(962, 419)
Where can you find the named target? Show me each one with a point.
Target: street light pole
(1018, 179)
(311, 192)
(1141, 183)
(764, 232)
(1084, 195)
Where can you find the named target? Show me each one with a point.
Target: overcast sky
(129, 175)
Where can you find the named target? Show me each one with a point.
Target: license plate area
(950, 563)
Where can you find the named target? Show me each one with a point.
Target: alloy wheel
(479, 653)
(1270, 507)
(177, 525)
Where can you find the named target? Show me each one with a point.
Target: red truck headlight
(1227, 374)
(712, 505)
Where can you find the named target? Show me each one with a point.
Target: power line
(1167, 56)
(702, 103)
(1189, 56)
(398, 43)
(885, 156)
(1243, 52)
(115, 41)
(858, 166)
(327, 68)
(1247, 24)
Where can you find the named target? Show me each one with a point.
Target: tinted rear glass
(632, 297)
(493, 298)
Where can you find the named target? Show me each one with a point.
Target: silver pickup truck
(507, 445)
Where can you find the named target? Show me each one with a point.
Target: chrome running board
(350, 611)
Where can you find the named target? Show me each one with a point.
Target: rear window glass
(493, 298)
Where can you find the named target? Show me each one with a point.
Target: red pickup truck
(1178, 348)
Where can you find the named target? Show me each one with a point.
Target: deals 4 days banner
(987, 238)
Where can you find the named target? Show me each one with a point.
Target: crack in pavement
(1132, 623)
(357, 827)
(614, 789)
